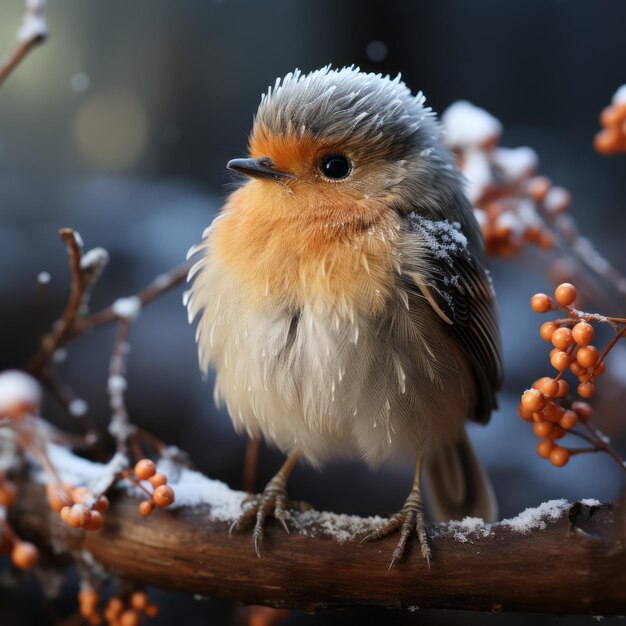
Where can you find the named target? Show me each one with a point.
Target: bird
(342, 297)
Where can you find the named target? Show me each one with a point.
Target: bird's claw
(273, 501)
(409, 519)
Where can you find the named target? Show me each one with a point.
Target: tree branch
(554, 559)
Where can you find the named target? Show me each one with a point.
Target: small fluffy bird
(343, 298)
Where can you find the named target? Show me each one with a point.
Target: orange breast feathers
(308, 243)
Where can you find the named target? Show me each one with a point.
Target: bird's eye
(335, 166)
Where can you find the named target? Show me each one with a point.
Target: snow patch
(466, 125)
(127, 308)
(619, 97)
(443, 238)
(18, 389)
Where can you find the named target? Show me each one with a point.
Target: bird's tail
(457, 484)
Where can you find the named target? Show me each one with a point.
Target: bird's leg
(273, 500)
(410, 518)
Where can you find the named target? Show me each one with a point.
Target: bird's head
(342, 145)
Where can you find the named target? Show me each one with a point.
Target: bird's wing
(443, 266)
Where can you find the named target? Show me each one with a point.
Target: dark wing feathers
(459, 289)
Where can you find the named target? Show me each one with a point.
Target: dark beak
(257, 168)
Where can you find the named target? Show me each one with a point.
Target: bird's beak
(257, 168)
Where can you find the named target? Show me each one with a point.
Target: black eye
(335, 166)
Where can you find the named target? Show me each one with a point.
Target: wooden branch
(575, 564)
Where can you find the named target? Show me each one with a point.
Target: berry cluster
(547, 405)
(612, 138)
(510, 215)
(162, 494)
(24, 555)
(119, 611)
(77, 506)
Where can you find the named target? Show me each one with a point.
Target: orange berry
(82, 495)
(547, 329)
(65, 513)
(79, 516)
(130, 618)
(560, 361)
(587, 356)
(158, 479)
(613, 115)
(583, 333)
(540, 382)
(608, 141)
(599, 368)
(557, 433)
(563, 388)
(538, 417)
(586, 390)
(577, 369)
(152, 610)
(538, 187)
(544, 447)
(102, 504)
(146, 507)
(95, 521)
(565, 294)
(525, 414)
(550, 388)
(562, 338)
(533, 400)
(24, 555)
(145, 469)
(559, 456)
(88, 601)
(543, 429)
(8, 493)
(569, 420)
(58, 496)
(552, 412)
(163, 496)
(583, 410)
(115, 606)
(540, 303)
(139, 600)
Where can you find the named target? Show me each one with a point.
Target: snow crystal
(94, 258)
(516, 163)
(466, 125)
(78, 407)
(43, 278)
(619, 97)
(531, 519)
(127, 308)
(116, 384)
(338, 525)
(442, 237)
(590, 502)
(18, 388)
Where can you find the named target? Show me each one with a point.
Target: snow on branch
(556, 558)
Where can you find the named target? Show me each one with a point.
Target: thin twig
(32, 33)
(62, 327)
(160, 285)
(120, 426)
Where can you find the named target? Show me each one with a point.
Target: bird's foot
(409, 519)
(273, 501)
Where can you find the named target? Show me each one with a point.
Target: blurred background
(120, 127)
